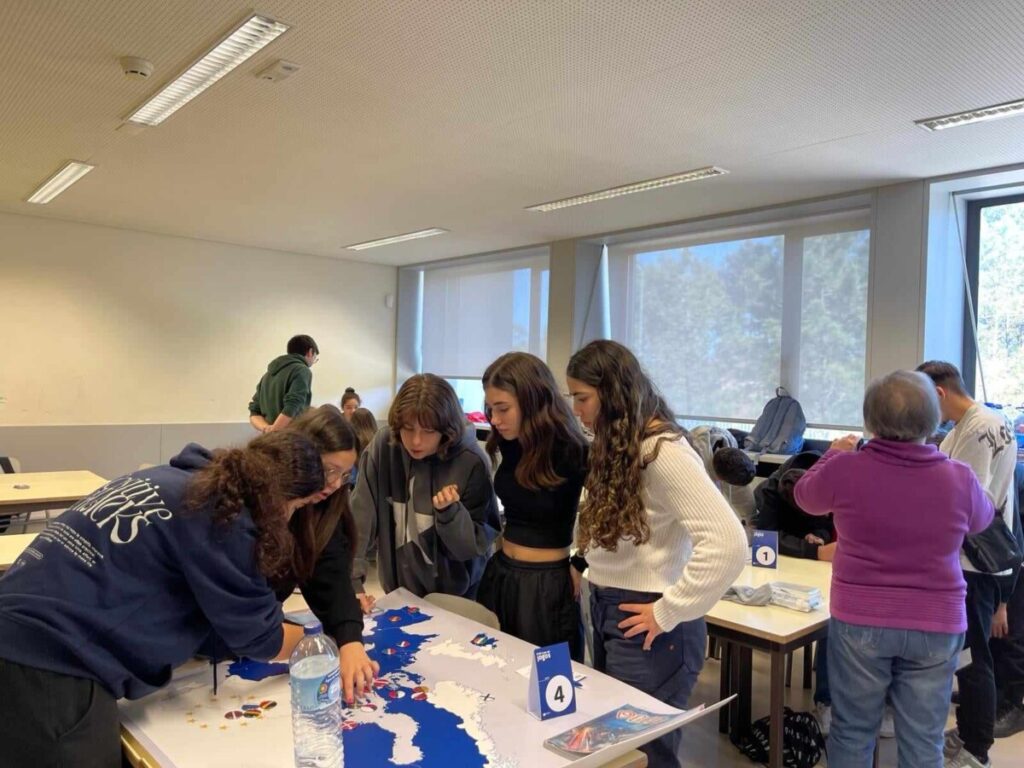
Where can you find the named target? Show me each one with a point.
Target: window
(995, 267)
(721, 319)
(471, 311)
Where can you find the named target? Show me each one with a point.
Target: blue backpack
(780, 428)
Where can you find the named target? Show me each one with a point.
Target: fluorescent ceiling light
(629, 189)
(253, 34)
(61, 180)
(996, 111)
(397, 239)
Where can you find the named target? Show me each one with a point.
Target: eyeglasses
(333, 473)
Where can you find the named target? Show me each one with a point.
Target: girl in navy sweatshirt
(527, 583)
(133, 580)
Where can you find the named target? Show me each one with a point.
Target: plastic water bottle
(316, 700)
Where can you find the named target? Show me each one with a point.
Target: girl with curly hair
(661, 542)
(543, 462)
(132, 581)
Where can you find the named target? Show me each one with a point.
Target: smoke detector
(136, 68)
(277, 71)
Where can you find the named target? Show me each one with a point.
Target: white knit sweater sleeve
(678, 483)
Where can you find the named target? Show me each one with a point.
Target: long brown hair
(365, 425)
(631, 410)
(546, 422)
(430, 401)
(261, 477)
(314, 525)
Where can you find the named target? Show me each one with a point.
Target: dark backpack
(780, 428)
(803, 744)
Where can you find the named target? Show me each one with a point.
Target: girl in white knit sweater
(661, 543)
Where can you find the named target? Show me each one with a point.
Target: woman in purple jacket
(901, 511)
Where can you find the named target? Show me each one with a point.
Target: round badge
(558, 693)
(765, 555)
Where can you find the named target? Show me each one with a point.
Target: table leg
(744, 691)
(777, 697)
(808, 664)
(741, 676)
(736, 724)
(724, 689)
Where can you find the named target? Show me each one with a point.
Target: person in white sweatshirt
(982, 438)
(661, 543)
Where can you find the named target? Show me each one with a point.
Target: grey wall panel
(175, 436)
(109, 450)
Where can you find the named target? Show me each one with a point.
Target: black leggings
(49, 720)
(533, 601)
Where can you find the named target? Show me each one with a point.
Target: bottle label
(329, 690)
(314, 693)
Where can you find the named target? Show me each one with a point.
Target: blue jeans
(667, 672)
(915, 669)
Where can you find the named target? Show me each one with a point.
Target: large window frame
(972, 246)
(793, 231)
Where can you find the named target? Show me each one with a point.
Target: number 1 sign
(552, 692)
(764, 549)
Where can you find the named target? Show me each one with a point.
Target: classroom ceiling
(459, 113)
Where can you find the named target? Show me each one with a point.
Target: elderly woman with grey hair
(901, 512)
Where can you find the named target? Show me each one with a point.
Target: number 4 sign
(765, 549)
(552, 692)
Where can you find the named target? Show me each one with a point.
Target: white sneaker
(888, 728)
(823, 713)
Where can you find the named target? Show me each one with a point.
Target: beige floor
(706, 747)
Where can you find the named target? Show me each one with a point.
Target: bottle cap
(313, 628)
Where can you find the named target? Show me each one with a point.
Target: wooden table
(11, 547)
(778, 631)
(45, 490)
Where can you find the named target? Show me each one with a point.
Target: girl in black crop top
(527, 583)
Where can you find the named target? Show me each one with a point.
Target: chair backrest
(9, 465)
(465, 608)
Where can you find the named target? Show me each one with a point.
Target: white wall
(108, 326)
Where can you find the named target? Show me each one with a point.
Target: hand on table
(810, 538)
(366, 602)
(644, 621)
(357, 671)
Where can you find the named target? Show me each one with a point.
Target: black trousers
(49, 720)
(533, 601)
(976, 715)
(1008, 653)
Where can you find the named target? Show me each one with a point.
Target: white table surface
(772, 622)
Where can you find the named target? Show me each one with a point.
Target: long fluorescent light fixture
(397, 239)
(61, 180)
(996, 111)
(252, 35)
(628, 189)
